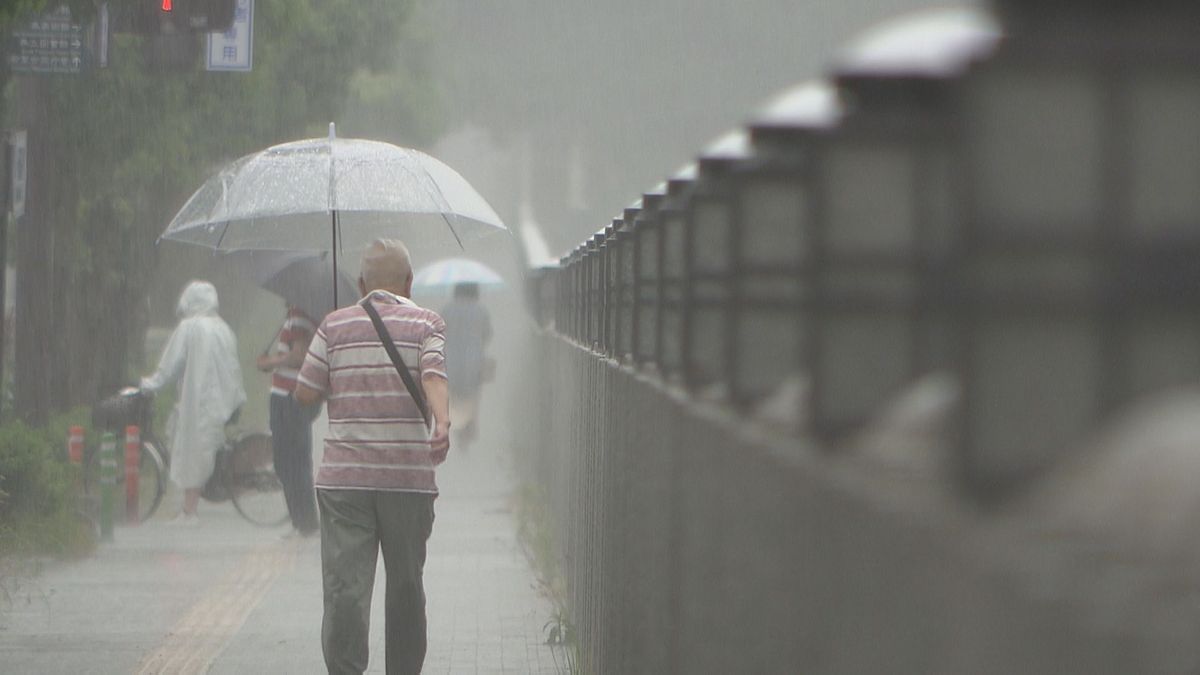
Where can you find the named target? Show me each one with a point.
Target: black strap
(416, 392)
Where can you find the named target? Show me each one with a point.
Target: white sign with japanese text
(18, 153)
(234, 49)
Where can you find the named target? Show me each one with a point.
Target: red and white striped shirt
(377, 439)
(296, 327)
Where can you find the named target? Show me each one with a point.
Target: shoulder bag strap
(416, 392)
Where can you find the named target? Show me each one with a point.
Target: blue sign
(233, 49)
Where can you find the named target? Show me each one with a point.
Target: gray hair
(386, 264)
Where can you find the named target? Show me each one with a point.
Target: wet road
(227, 597)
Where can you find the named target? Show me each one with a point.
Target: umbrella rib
(222, 237)
(453, 232)
(441, 196)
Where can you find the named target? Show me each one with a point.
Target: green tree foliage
(130, 142)
(14, 9)
(378, 97)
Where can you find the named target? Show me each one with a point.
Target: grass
(536, 535)
(32, 544)
(29, 543)
(39, 515)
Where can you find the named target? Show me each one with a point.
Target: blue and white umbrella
(450, 272)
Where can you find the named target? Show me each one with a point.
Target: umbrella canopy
(303, 280)
(453, 271)
(288, 197)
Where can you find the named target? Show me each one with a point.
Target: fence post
(108, 484)
(75, 445)
(133, 455)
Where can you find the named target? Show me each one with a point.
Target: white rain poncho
(203, 350)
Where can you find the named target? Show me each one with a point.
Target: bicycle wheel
(256, 491)
(150, 480)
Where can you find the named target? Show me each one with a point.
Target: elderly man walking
(376, 486)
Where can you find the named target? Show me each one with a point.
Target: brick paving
(112, 612)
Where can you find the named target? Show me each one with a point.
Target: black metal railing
(867, 231)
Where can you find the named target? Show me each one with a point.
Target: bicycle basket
(119, 411)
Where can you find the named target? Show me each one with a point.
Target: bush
(38, 496)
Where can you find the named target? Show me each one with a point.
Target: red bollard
(133, 455)
(75, 444)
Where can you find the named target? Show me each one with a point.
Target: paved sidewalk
(226, 597)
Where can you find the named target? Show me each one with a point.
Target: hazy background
(581, 106)
(571, 108)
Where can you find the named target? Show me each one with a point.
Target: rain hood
(199, 298)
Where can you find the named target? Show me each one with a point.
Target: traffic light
(172, 17)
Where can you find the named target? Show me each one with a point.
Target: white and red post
(75, 445)
(133, 456)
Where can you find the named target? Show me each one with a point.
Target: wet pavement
(227, 597)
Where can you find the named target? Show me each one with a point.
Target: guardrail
(1010, 208)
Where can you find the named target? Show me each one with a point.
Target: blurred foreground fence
(692, 544)
(802, 399)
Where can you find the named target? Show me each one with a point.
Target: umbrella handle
(334, 251)
(274, 341)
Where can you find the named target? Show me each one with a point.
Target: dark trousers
(291, 441)
(355, 526)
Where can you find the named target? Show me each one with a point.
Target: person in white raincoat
(202, 355)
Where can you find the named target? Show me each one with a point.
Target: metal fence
(692, 543)
(1000, 203)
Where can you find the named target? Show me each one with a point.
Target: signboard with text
(50, 43)
(233, 49)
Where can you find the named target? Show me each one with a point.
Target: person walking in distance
(202, 354)
(467, 364)
(376, 486)
(291, 423)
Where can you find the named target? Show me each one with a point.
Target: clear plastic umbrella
(334, 193)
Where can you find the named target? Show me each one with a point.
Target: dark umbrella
(303, 280)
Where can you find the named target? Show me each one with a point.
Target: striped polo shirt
(377, 439)
(297, 326)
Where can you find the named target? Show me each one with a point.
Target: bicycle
(243, 473)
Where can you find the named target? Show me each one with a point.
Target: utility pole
(34, 310)
(6, 198)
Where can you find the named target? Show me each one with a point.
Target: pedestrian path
(227, 598)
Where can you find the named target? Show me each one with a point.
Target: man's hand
(264, 363)
(440, 442)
